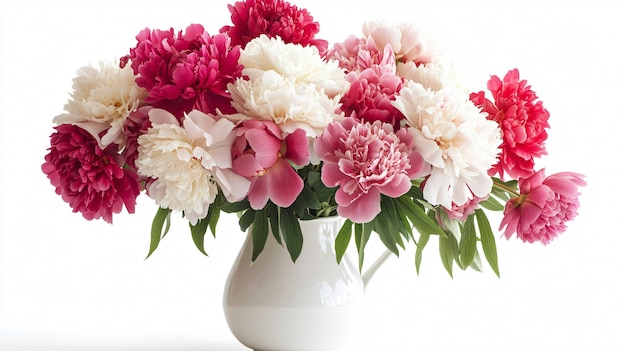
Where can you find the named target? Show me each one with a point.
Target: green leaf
(445, 251)
(291, 232)
(260, 231)
(310, 199)
(467, 245)
(492, 204)
(419, 218)
(421, 244)
(156, 232)
(274, 225)
(343, 239)
(214, 216)
(362, 233)
(246, 219)
(198, 231)
(229, 207)
(487, 241)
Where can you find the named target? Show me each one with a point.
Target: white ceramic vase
(313, 304)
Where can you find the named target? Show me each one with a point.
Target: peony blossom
(274, 18)
(544, 206)
(356, 54)
(523, 122)
(408, 42)
(190, 162)
(287, 84)
(366, 160)
(454, 138)
(106, 97)
(91, 180)
(369, 97)
(262, 154)
(185, 71)
(434, 76)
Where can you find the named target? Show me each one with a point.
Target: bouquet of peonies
(265, 120)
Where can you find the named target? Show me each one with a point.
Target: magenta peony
(370, 94)
(91, 180)
(275, 18)
(262, 155)
(523, 122)
(545, 205)
(185, 71)
(366, 160)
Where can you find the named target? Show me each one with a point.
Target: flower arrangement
(265, 120)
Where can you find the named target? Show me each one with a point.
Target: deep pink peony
(135, 125)
(544, 207)
(523, 122)
(185, 71)
(366, 160)
(370, 94)
(91, 180)
(262, 155)
(275, 18)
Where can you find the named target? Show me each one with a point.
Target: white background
(70, 284)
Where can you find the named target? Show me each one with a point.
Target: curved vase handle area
(369, 273)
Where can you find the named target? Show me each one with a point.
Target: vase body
(274, 304)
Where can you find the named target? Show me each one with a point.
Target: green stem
(507, 189)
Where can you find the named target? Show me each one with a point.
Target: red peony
(91, 180)
(276, 18)
(185, 71)
(523, 122)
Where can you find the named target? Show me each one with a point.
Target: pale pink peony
(366, 160)
(91, 180)
(275, 18)
(522, 119)
(544, 207)
(262, 154)
(461, 212)
(356, 54)
(185, 71)
(369, 97)
(408, 42)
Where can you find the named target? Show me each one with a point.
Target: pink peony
(523, 122)
(357, 54)
(275, 18)
(366, 160)
(370, 94)
(545, 205)
(262, 154)
(135, 125)
(186, 71)
(91, 180)
(461, 212)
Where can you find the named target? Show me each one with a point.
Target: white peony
(288, 84)
(102, 100)
(455, 138)
(409, 43)
(189, 163)
(434, 76)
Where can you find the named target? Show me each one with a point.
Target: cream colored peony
(189, 163)
(288, 84)
(455, 138)
(434, 76)
(102, 100)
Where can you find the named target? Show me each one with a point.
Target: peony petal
(284, 183)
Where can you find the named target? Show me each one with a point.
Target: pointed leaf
(274, 225)
(487, 241)
(447, 257)
(492, 204)
(467, 246)
(421, 244)
(246, 219)
(291, 232)
(157, 232)
(419, 218)
(343, 239)
(260, 232)
(198, 231)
